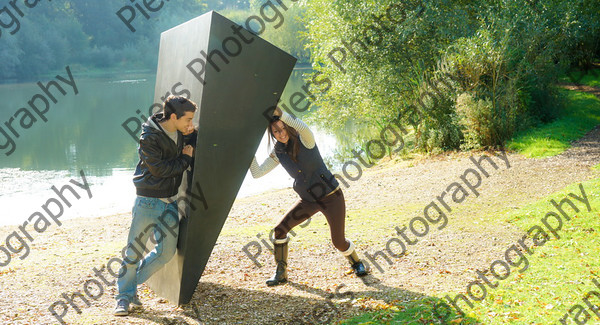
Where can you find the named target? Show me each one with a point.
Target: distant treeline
(89, 34)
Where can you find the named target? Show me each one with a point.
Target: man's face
(184, 124)
(190, 130)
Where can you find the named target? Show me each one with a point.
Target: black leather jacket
(161, 166)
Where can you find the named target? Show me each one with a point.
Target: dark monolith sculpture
(236, 78)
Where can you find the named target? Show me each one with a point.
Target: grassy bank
(588, 78)
(560, 272)
(558, 276)
(581, 114)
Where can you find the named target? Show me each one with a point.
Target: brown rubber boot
(281, 255)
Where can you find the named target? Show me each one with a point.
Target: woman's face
(279, 132)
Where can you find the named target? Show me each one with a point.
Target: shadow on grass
(214, 303)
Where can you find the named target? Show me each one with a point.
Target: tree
(384, 59)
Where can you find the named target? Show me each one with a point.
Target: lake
(84, 132)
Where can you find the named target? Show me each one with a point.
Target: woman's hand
(277, 112)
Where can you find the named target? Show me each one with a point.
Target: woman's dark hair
(292, 147)
(178, 105)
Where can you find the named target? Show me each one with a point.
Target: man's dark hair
(178, 105)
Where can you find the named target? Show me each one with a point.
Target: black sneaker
(135, 302)
(122, 308)
(359, 269)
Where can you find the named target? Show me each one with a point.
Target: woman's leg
(297, 214)
(334, 209)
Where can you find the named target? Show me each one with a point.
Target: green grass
(413, 313)
(582, 113)
(560, 271)
(558, 277)
(590, 78)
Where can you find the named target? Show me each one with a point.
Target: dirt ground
(232, 289)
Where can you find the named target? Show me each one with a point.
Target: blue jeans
(151, 216)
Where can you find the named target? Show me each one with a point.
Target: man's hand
(188, 150)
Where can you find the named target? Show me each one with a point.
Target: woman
(318, 189)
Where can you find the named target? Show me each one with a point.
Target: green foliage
(583, 77)
(375, 80)
(284, 33)
(464, 74)
(10, 58)
(89, 33)
(488, 103)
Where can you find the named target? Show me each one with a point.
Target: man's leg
(165, 235)
(142, 216)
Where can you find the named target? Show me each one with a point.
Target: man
(163, 160)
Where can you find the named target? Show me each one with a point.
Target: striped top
(306, 138)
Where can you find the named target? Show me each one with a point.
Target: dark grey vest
(312, 179)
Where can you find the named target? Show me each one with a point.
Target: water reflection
(84, 132)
